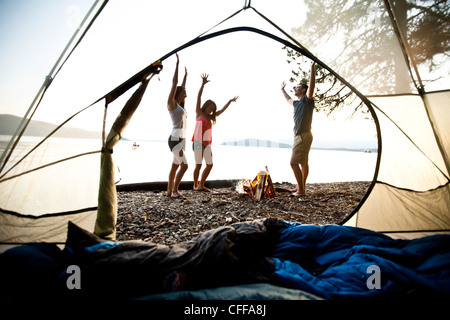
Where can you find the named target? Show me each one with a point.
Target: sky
(122, 42)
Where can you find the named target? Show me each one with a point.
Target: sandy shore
(151, 216)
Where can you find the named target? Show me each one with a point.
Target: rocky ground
(151, 216)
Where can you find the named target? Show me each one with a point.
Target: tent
(57, 182)
(404, 84)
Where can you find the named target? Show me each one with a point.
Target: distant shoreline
(258, 143)
(368, 150)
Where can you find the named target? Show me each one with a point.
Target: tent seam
(47, 215)
(411, 190)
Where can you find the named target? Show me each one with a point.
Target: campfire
(260, 188)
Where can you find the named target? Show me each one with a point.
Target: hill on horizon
(9, 124)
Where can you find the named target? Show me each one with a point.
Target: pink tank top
(203, 131)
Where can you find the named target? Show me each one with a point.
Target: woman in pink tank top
(205, 118)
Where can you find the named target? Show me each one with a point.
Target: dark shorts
(177, 146)
(177, 143)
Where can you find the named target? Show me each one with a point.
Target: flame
(248, 186)
(244, 186)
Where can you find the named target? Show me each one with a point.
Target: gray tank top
(178, 116)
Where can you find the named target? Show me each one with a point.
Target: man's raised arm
(312, 81)
(286, 96)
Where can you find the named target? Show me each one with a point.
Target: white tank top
(178, 116)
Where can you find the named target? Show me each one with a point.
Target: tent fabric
(105, 225)
(16, 229)
(328, 262)
(440, 117)
(413, 178)
(404, 87)
(57, 182)
(384, 199)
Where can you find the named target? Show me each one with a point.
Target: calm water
(152, 161)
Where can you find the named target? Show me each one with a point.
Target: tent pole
(22, 126)
(409, 59)
(106, 220)
(420, 88)
(36, 101)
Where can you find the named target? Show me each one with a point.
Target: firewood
(271, 187)
(261, 185)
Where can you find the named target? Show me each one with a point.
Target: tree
(330, 93)
(357, 38)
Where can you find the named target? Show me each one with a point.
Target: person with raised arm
(303, 114)
(206, 115)
(177, 138)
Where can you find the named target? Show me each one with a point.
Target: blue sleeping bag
(330, 262)
(338, 262)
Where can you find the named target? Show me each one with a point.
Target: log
(270, 184)
(261, 186)
(184, 185)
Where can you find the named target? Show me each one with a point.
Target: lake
(151, 161)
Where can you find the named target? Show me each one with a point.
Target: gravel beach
(150, 215)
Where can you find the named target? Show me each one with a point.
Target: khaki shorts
(301, 147)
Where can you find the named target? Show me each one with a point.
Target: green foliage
(381, 47)
(330, 94)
